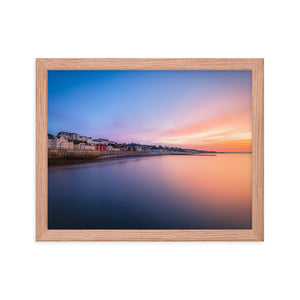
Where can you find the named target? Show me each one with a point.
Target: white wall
(157, 28)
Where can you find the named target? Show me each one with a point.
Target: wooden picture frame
(257, 231)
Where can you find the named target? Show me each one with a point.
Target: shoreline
(69, 161)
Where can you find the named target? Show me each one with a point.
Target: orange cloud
(230, 132)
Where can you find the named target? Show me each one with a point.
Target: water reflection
(163, 192)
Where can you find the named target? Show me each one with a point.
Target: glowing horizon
(203, 110)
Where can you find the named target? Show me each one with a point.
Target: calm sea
(155, 192)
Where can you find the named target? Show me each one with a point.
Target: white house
(59, 142)
(83, 138)
(69, 135)
(83, 146)
(74, 136)
(51, 141)
(64, 143)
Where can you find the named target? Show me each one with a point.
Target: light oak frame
(257, 68)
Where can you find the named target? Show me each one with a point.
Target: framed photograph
(149, 149)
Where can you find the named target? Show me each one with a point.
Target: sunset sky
(205, 110)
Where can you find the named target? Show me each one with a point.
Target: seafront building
(59, 142)
(83, 146)
(51, 141)
(74, 141)
(100, 147)
(69, 135)
(100, 141)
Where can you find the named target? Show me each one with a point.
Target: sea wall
(55, 154)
